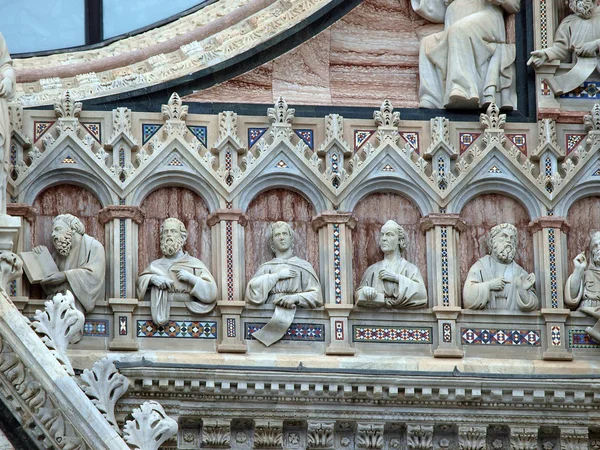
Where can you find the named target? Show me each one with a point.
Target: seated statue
(176, 276)
(469, 64)
(81, 262)
(392, 282)
(579, 34)
(496, 281)
(583, 286)
(286, 281)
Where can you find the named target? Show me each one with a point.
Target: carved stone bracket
(327, 217)
(113, 212)
(216, 434)
(544, 222)
(419, 437)
(27, 212)
(221, 215)
(320, 435)
(369, 435)
(472, 437)
(268, 434)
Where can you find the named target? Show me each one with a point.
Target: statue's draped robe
(477, 295)
(85, 268)
(199, 298)
(471, 54)
(265, 287)
(409, 292)
(588, 292)
(5, 64)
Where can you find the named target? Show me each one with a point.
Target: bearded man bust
(176, 276)
(81, 262)
(496, 281)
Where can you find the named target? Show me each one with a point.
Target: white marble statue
(80, 260)
(583, 286)
(496, 281)
(469, 64)
(11, 268)
(176, 276)
(8, 81)
(578, 34)
(392, 282)
(286, 281)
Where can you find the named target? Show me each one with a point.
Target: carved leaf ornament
(150, 428)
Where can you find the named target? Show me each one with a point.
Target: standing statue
(469, 64)
(579, 34)
(176, 276)
(583, 286)
(8, 82)
(392, 282)
(286, 281)
(80, 260)
(496, 281)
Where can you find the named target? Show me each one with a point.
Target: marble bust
(286, 281)
(496, 281)
(578, 34)
(469, 64)
(583, 286)
(8, 82)
(176, 276)
(393, 282)
(81, 262)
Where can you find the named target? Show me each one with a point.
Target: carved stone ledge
(112, 212)
(220, 215)
(549, 222)
(561, 116)
(28, 212)
(443, 220)
(327, 217)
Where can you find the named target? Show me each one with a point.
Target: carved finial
(15, 112)
(150, 428)
(334, 127)
(122, 126)
(60, 324)
(67, 108)
(492, 119)
(440, 131)
(105, 386)
(386, 117)
(174, 109)
(281, 114)
(547, 141)
(592, 120)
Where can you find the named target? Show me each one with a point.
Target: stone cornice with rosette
(210, 36)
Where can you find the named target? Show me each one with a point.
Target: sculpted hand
(580, 262)
(538, 58)
(527, 282)
(588, 49)
(284, 274)
(288, 301)
(38, 250)
(6, 87)
(161, 282)
(388, 275)
(369, 293)
(497, 284)
(55, 278)
(186, 277)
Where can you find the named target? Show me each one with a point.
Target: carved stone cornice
(112, 212)
(327, 217)
(220, 215)
(443, 220)
(27, 212)
(549, 222)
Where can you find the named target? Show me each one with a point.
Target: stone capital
(327, 217)
(112, 212)
(228, 307)
(549, 222)
(27, 212)
(235, 215)
(442, 220)
(123, 305)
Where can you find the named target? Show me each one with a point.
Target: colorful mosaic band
(96, 328)
(478, 336)
(447, 333)
(339, 330)
(363, 333)
(580, 339)
(231, 331)
(173, 329)
(122, 325)
(555, 335)
(589, 89)
(296, 331)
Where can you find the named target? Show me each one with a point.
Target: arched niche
(481, 214)
(584, 218)
(184, 205)
(63, 199)
(371, 213)
(271, 206)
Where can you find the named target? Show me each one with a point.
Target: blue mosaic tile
(477, 336)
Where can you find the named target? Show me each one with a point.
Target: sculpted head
(63, 227)
(392, 236)
(502, 242)
(595, 248)
(583, 8)
(281, 237)
(173, 236)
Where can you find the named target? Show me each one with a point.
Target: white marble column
(18, 289)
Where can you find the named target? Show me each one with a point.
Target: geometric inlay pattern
(476, 336)
(555, 332)
(254, 134)
(149, 130)
(175, 162)
(361, 137)
(552, 262)
(281, 164)
(201, 134)
(95, 328)
(69, 160)
(95, 130)
(580, 339)
(399, 335)
(231, 332)
(296, 331)
(465, 140)
(412, 138)
(337, 264)
(573, 140)
(177, 329)
(520, 141)
(494, 169)
(589, 89)
(307, 137)
(388, 168)
(39, 128)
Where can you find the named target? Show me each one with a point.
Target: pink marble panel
(584, 219)
(371, 213)
(481, 214)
